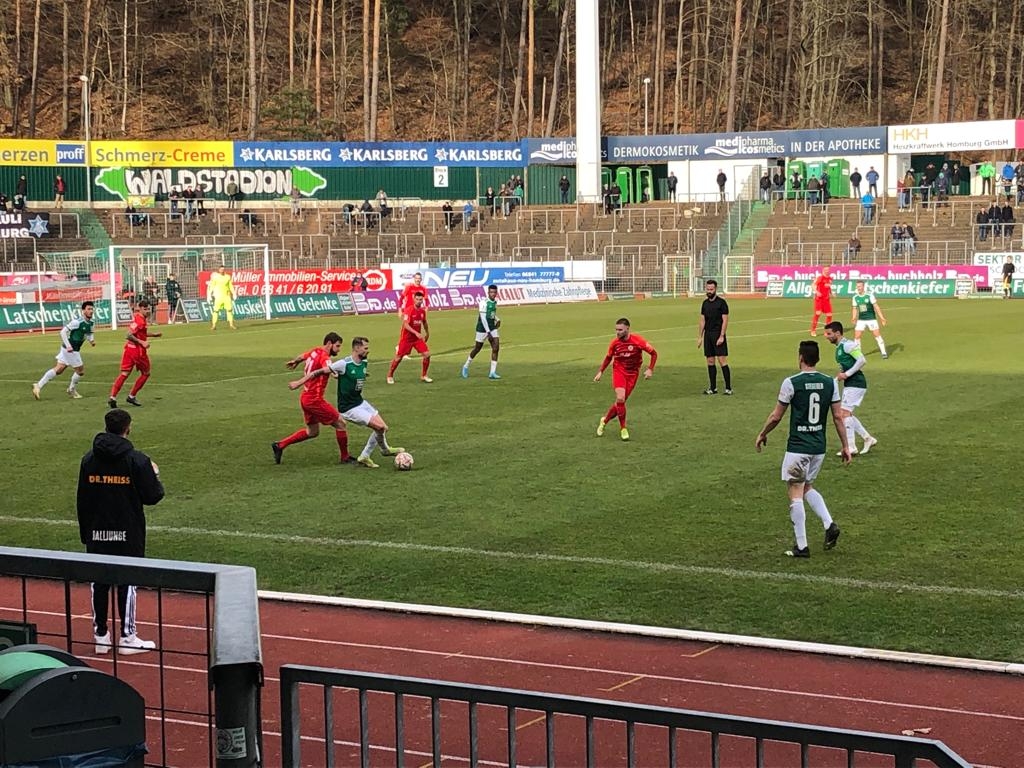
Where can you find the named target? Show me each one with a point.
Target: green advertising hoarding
(917, 289)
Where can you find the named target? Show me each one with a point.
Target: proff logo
(910, 134)
(70, 153)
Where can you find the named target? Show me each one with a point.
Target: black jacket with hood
(114, 483)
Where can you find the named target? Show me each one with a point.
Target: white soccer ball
(403, 461)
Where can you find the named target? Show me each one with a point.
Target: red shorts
(625, 379)
(823, 305)
(319, 412)
(135, 357)
(405, 346)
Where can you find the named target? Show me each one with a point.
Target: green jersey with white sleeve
(850, 358)
(487, 320)
(865, 306)
(351, 379)
(77, 332)
(810, 395)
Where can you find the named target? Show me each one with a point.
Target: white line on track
(638, 565)
(615, 673)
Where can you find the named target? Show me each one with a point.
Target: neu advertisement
(766, 273)
(292, 282)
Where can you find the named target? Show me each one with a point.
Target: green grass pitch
(515, 504)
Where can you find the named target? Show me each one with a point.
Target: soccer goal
(677, 275)
(138, 271)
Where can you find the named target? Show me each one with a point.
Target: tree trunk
(530, 69)
(376, 70)
(555, 77)
(254, 114)
(291, 45)
(517, 98)
(940, 62)
(318, 74)
(65, 70)
(734, 63)
(366, 70)
(34, 88)
(499, 95)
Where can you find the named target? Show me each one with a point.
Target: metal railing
(487, 728)
(923, 252)
(223, 696)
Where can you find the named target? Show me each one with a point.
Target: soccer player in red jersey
(821, 288)
(315, 409)
(135, 355)
(626, 354)
(410, 290)
(415, 332)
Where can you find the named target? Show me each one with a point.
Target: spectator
(489, 201)
(200, 200)
(295, 195)
(823, 185)
(135, 218)
(1006, 216)
(954, 178)
(382, 198)
(909, 239)
(366, 214)
(21, 194)
(868, 204)
(872, 179)
(3, 203)
(795, 183)
(360, 283)
(987, 172)
(447, 210)
(995, 219)
(813, 185)
(615, 194)
(518, 193)
(151, 293)
(115, 484)
(853, 248)
(909, 182)
(942, 187)
(59, 188)
(606, 197)
(981, 219)
(855, 180)
(232, 191)
(901, 193)
(766, 187)
(347, 212)
(721, 179)
(672, 183)
(383, 208)
(249, 219)
(778, 185)
(563, 187)
(965, 179)
(174, 197)
(1018, 174)
(172, 290)
(896, 237)
(1008, 177)
(467, 216)
(190, 202)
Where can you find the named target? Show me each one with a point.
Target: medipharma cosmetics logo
(554, 151)
(739, 145)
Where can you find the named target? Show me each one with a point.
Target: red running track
(980, 715)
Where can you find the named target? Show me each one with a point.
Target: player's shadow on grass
(891, 349)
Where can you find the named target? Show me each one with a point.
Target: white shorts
(852, 397)
(801, 467)
(482, 337)
(361, 414)
(70, 359)
(867, 325)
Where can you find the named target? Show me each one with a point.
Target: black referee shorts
(712, 349)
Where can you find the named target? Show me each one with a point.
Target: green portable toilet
(798, 166)
(606, 176)
(838, 171)
(644, 183)
(624, 178)
(815, 168)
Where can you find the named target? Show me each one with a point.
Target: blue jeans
(869, 214)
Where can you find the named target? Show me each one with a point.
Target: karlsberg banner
(408, 154)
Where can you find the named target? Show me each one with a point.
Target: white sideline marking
(654, 567)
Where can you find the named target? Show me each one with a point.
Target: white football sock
(881, 345)
(468, 361)
(799, 518)
(47, 378)
(75, 378)
(817, 503)
(859, 428)
(382, 441)
(494, 366)
(371, 443)
(850, 433)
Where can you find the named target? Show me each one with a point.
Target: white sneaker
(869, 443)
(102, 644)
(426, 380)
(35, 391)
(73, 394)
(127, 646)
(853, 452)
(391, 380)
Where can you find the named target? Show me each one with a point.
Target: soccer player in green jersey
(351, 373)
(855, 385)
(72, 337)
(867, 313)
(812, 395)
(487, 324)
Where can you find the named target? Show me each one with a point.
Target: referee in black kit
(714, 320)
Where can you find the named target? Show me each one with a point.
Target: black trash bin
(55, 710)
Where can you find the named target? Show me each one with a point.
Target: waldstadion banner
(917, 289)
(756, 145)
(953, 137)
(162, 154)
(120, 183)
(409, 154)
(39, 152)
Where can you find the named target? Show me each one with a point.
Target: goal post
(130, 267)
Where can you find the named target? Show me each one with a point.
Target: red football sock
(298, 437)
(814, 323)
(426, 364)
(139, 384)
(342, 436)
(118, 383)
(394, 365)
(828, 319)
(620, 410)
(611, 414)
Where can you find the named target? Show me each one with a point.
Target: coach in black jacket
(114, 483)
